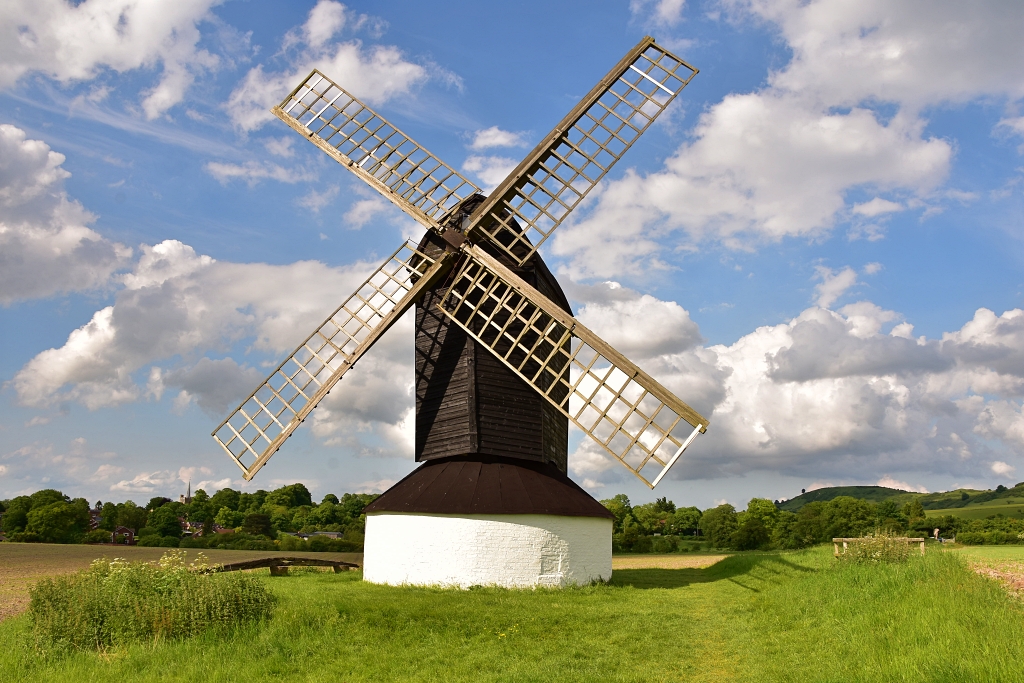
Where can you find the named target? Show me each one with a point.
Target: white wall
(483, 550)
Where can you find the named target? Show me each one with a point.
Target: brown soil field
(1008, 573)
(665, 561)
(22, 564)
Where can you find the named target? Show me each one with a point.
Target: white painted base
(514, 551)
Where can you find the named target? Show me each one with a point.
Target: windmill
(502, 366)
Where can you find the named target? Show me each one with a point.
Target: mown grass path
(750, 617)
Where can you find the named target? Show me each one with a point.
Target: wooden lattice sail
(484, 247)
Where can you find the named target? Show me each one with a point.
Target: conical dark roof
(488, 485)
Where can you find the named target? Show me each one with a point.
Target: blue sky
(819, 245)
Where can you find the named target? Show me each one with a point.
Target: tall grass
(119, 602)
(878, 548)
(927, 619)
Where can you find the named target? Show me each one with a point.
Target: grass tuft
(114, 603)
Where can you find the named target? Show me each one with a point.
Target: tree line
(662, 527)
(257, 519)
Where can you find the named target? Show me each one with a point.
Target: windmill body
(492, 503)
(502, 367)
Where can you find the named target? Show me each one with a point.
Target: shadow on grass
(736, 569)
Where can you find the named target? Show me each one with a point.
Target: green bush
(988, 537)
(97, 536)
(169, 542)
(664, 544)
(111, 604)
(151, 541)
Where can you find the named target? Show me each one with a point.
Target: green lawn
(796, 616)
(989, 552)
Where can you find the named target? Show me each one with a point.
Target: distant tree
(16, 516)
(132, 516)
(845, 516)
(751, 534)
(1000, 488)
(663, 504)
(228, 518)
(964, 495)
(258, 524)
(914, 510)
(108, 516)
(165, 520)
(619, 507)
(158, 501)
(252, 502)
(784, 535)
(652, 517)
(200, 509)
(684, 521)
(809, 526)
(58, 522)
(47, 496)
(717, 525)
(291, 496)
(225, 498)
(330, 498)
(763, 510)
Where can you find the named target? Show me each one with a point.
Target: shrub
(114, 603)
(664, 544)
(878, 549)
(97, 536)
(169, 542)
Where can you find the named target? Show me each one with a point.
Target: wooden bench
(845, 541)
(279, 565)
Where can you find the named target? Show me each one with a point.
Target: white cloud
(280, 147)
(833, 284)
(316, 200)
(374, 74)
(212, 485)
(177, 303)
(872, 268)
(75, 42)
(658, 12)
(877, 207)
(254, 171)
(46, 246)
(827, 394)
(496, 137)
(147, 482)
(364, 210)
(891, 483)
(376, 486)
(780, 162)
(106, 472)
(1002, 469)
(490, 170)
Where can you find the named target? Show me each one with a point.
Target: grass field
(1010, 507)
(796, 616)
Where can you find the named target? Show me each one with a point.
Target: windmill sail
(258, 427)
(364, 142)
(570, 161)
(636, 420)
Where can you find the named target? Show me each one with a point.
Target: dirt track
(665, 561)
(22, 564)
